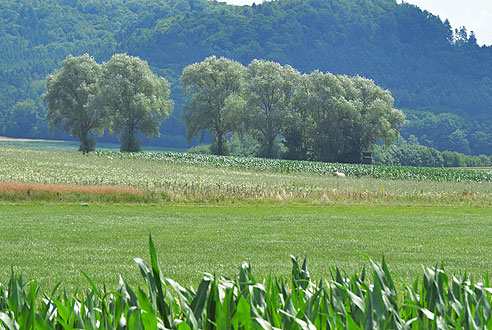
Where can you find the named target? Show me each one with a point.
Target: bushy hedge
(419, 155)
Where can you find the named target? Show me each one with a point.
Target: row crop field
(320, 168)
(179, 177)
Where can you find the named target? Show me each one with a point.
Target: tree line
(316, 116)
(446, 131)
(411, 153)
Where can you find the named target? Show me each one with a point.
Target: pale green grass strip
(54, 242)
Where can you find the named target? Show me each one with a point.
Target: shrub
(203, 149)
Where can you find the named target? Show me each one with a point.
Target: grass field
(54, 242)
(71, 146)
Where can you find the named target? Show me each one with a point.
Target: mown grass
(54, 242)
(71, 146)
(370, 300)
(175, 181)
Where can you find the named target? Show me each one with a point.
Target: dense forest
(441, 78)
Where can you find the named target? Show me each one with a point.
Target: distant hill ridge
(426, 65)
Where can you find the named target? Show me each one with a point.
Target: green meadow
(55, 242)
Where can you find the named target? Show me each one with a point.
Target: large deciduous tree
(213, 89)
(378, 120)
(328, 116)
(335, 118)
(137, 99)
(70, 98)
(269, 90)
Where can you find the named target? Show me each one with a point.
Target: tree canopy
(137, 99)
(322, 116)
(269, 90)
(71, 100)
(121, 96)
(213, 89)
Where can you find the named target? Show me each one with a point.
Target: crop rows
(343, 302)
(319, 168)
(179, 177)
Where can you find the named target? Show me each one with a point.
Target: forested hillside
(441, 78)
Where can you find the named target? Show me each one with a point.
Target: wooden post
(367, 158)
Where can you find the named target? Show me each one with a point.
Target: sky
(475, 15)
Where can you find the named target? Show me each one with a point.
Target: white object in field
(339, 174)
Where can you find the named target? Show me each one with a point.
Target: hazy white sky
(476, 15)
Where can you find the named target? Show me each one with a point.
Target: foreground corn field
(436, 301)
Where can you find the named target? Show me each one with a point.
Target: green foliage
(34, 40)
(408, 155)
(438, 301)
(24, 119)
(269, 90)
(419, 155)
(137, 98)
(122, 95)
(130, 141)
(240, 146)
(213, 88)
(220, 148)
(203, 149)
(446, 131)
(454, 159)
(420, 59)
(243, 145)
(71, 100)
(335, 118)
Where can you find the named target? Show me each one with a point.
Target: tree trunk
(220, 145)
(129, 140)
(87, 143)
(270, 152)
